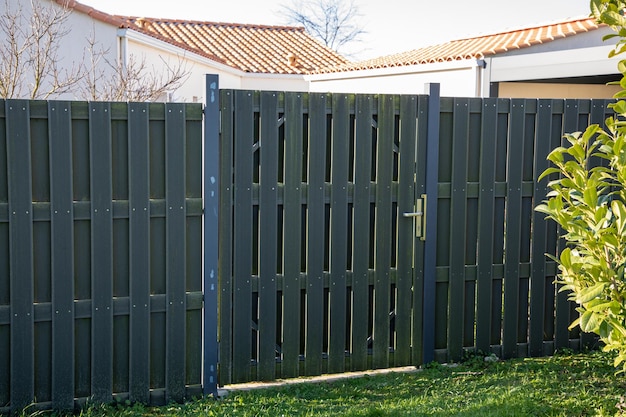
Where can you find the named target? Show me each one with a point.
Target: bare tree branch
(30, 60)
(31, 65)
(135, 81)
(334, 22)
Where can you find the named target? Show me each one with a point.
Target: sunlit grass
(563, 385)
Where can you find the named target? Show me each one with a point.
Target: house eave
(555, 64)
(397, 70)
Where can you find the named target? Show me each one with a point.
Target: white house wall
(457, 78)
(273, 82)
(156, 62)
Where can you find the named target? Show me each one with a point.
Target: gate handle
(414, 214)
(420, 217)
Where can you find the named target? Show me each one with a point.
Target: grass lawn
(563, 385)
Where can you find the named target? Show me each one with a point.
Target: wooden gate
(317, 260)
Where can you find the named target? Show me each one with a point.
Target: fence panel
(100, 243)
(322, 262)
(511, 305)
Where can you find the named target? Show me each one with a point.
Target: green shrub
(588, 200)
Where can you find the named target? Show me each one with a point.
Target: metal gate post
(211, 237)
(430, 245)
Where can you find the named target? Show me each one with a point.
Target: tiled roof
(477, 47)
(249, 48)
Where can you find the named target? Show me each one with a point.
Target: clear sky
(391, 25)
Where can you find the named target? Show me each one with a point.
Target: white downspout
(479, 72)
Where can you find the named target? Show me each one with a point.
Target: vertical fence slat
(361, 231)
(338, 232)
(62, 219)
(175, 250)
(21, 253)
(539, 232)
(382, 242)
(82, 247)
(101, 251)
(485, 225)
(195, 357)
(139, 256)
(526, 226)
(502, 134)
(5, 276)
(315, 235)
(292, 240)
(226, 239)
(458, 203)
(121, 249)
(419, 275)
(513, 228)
(158, 253)
(268, 236)
(40, 178)
(471, 238)
(406, 204)
(242, 286)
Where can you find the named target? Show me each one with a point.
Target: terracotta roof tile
(249, 48)
(477, 47)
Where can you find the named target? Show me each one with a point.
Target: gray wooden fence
(355, 232)
(100, 252)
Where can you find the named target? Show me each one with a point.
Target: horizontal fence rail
(100, 253)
